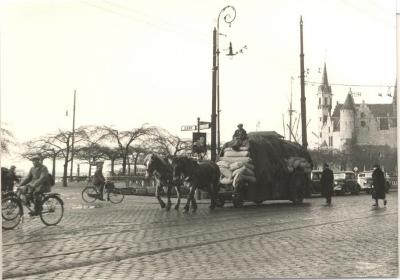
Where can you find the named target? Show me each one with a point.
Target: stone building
(354, 124)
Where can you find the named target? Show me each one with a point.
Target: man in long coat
(327, 183)
(378, 183)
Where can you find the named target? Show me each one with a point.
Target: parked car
(365, 181)
(315, 181)
(345, 182)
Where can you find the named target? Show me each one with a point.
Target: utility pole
(303, 95)
(73, 138)
(214, 97)
(290, 107)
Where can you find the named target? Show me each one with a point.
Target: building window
(362, 115)
(329, 129)
(319, 101)
(330, 140)
(320, 134)
(326, 100)
(362, 123)
(325, 119)
(383, 124)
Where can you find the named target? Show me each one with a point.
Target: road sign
(188, 127)
(205, 125)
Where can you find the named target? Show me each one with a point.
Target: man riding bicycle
(99, 180)
(36, 183)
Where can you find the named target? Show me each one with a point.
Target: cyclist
(36, 183)
(98, 179)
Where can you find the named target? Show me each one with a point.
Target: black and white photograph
(188, 139)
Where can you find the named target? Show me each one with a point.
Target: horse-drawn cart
(263, 167)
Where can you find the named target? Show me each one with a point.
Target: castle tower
(347, 119)
(324, 100)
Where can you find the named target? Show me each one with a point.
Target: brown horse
(161, 170)
(203, 175)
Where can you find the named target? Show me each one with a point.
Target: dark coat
(327, 183)
(378, 182)
(98, 178)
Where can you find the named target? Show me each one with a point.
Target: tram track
(174, 223)
(179, 247)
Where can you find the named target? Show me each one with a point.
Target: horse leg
(178, 197)
(193, 199)
(169, 198)
(213, 195)
(158, 188)
(189, 199)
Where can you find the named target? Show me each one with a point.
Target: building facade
(354, 124)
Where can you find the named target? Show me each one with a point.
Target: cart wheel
(220, 202)
(237, 202)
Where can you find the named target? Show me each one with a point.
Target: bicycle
(90, 193)
(12, 210)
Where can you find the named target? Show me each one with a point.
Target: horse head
(150, 163)
(182, 166)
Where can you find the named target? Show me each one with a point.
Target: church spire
(325, 76)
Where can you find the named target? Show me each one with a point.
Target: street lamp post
(229, 15)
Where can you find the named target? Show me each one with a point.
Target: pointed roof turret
(325, 76)
(324, 87)
(349, 103)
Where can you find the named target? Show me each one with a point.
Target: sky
(150, 61)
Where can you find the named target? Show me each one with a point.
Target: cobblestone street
(138, 240)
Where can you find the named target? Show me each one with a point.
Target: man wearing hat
(240, 133)
(378, 183)
(98, 179)
(36, 182)
(327, 184)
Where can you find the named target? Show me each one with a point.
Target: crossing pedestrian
(327, 184)
(378, 186)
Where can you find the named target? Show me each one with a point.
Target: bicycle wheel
(89, 194)
(115, 196)
(11, 212)
(52, 210)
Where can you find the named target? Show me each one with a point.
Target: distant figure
(37, 182)
(12, 178)
(327, 184)
(240, 133)
(238, 137)
(378, 183)
(99, 180)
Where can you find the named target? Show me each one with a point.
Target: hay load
(264, 163)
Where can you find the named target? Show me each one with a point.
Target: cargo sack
(226, 181)
(236, 154)
(243, 170)
(236, 159)
(222, 163)
(225, 172)
(242, 148)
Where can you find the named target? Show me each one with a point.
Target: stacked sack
(294, 162)
(236, 167)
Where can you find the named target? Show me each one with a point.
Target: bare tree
(168, 144)
(43, 147)
(124, 140)
(6, 139)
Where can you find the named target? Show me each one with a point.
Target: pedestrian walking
(327, 184)
(378, 186)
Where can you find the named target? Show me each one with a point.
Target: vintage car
(345, 182)
(365, 181)
(315, 181)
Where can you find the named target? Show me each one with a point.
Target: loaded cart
(263, 167)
